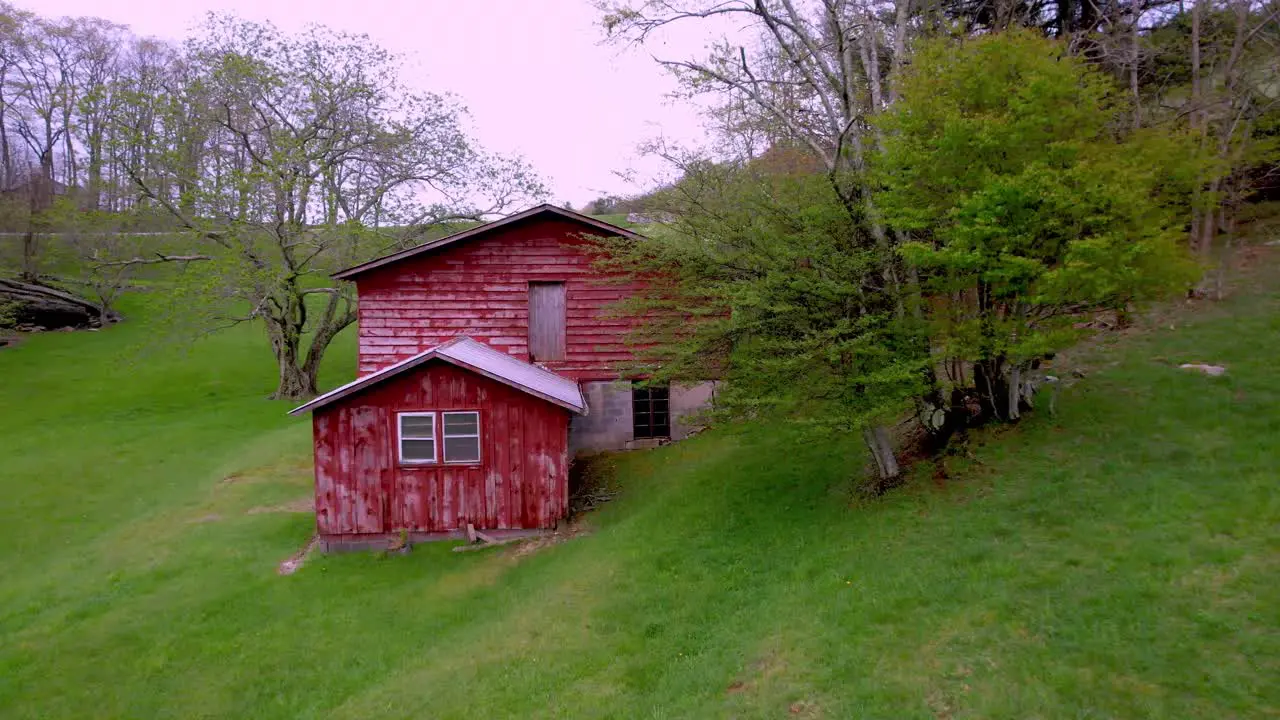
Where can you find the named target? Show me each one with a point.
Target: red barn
(486, 361)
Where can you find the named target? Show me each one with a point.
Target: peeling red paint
(480, 288)
(521, 480)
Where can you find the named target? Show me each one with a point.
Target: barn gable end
(480, 285)
(365, 490)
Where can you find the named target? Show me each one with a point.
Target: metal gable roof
(479, 358)
(544, 208)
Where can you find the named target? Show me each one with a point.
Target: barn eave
(477, 357)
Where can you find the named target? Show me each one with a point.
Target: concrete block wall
(608, 422)
(687, 401)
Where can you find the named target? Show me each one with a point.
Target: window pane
(417, 426)
(461, 449)
(418, 450)
(467, 423)
(649, 411)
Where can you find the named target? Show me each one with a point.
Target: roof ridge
(483, 228)
(505, 354)
(441, 352)
(502, 354)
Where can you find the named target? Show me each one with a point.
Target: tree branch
(159, 258)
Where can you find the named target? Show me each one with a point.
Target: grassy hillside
(1117, 560)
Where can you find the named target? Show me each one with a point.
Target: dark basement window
(650, 411)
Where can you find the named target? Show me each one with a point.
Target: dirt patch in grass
(762, 669)
(295, 561)
(767, 680)
(804, 709)
(301, 505)
(576, 528)
(289, 471)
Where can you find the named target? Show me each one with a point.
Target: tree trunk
(1013, 394)
(298, 373)
(1135, 58)
(92, 199)
(902, 18)
(331, 324)
(29, 254)
(1195, 117)
(880, 443)
(1228, 249)
(1209, 222)
(295, 382)
(993, 387)
(6, 157)
(30, 248)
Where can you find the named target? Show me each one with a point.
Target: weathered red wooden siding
(480, 288)
(520, 482)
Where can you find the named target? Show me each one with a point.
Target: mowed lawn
(1118, 560)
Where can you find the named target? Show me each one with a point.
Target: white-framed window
(416, 437)
(461, 436)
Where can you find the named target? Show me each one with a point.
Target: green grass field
(1119, 560)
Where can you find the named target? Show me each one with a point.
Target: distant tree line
(265, 160)
(909, 204)
(615, 205)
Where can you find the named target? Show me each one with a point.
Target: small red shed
(459, 434)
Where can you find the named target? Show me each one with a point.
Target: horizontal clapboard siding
(480, 288)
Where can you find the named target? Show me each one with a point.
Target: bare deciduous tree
(312, 156)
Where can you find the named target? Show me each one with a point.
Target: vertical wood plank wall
(521, 480)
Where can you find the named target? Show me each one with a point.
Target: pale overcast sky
(533, 73)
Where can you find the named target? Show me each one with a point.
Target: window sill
(430, 465)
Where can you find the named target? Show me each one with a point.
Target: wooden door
(546, 321)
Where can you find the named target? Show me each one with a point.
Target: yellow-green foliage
(767, 283)
(1024, 197)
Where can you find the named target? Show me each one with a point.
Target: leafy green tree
(1027, 203)
(763, 281)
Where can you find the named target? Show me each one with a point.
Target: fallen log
(49, 307)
